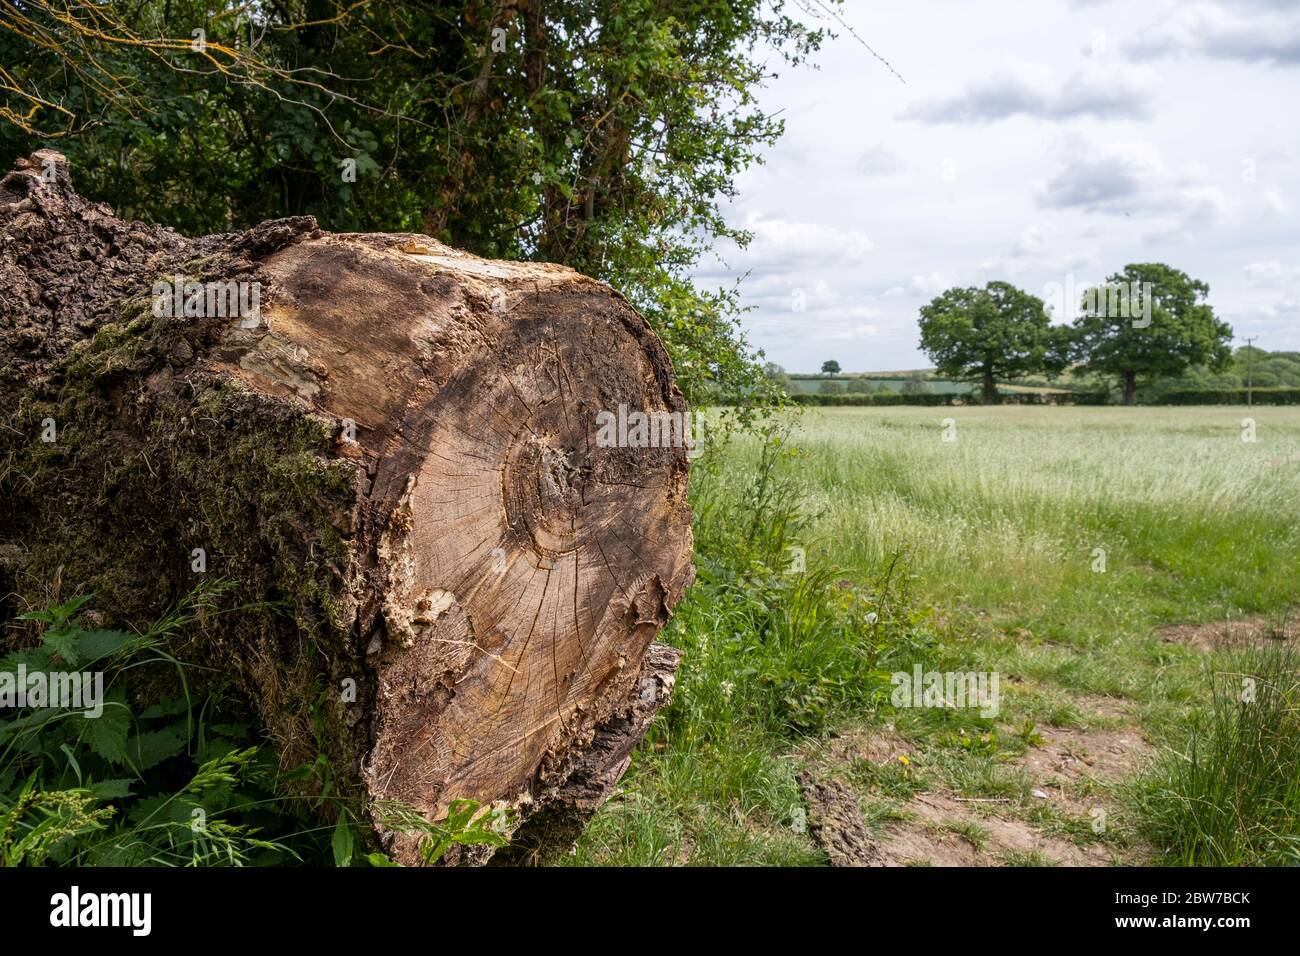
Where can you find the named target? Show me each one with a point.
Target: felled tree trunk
(394, 440)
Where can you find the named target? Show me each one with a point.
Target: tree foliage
(601, 134)
(1166, 327)
(1250, 364)
(983, 335)
(917, 384)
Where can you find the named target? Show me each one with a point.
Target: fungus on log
(393, 440)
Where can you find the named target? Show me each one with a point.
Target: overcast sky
(1043, 142)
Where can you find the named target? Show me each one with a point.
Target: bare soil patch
(1069, 769)
(1237, 632)
(947, 830)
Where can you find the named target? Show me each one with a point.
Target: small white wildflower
(727, 688)
(872, 617)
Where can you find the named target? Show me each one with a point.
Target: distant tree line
(1274, 378)
(1147, 324)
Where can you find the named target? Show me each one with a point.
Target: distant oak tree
(1160, 338)
(997, 332)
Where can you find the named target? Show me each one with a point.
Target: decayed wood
(574, 786)
(835, 823)
(401, 445)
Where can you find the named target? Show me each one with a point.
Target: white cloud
(1133, 179)
(1272, 274)
(1039, 250)
(1107, 90)
(1276, 203)
(931, 284)
(1267, 34)
(879, 160)
(1268, 321)
(786, 246)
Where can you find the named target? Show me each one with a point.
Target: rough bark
(989, 389)
(401, 449)
(576, 785)
(1130, 387)
(835, 823)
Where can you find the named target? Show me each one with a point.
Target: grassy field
(1005, 516)
(1123, 571)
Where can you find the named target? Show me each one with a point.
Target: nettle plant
(165, 784)
(805, 642)
(176, 782)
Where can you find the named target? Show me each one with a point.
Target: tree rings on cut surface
(525, 567)
(400, 447)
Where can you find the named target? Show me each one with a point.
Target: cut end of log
(497, 571)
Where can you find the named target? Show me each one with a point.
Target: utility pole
(1250, 378)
